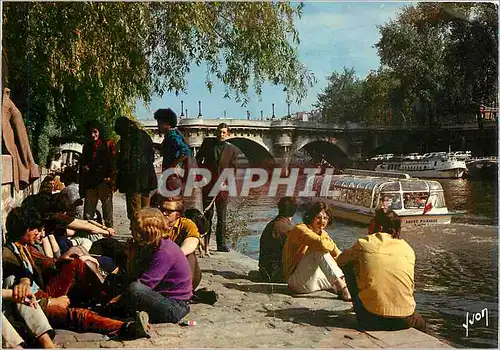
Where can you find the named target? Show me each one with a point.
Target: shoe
(223, 248)
(139, 328)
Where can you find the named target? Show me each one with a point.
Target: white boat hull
(406, 220)
(431, 173)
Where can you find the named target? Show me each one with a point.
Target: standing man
(216, 157)
(98, 173)
(136, 174)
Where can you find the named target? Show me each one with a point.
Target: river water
(457, 265)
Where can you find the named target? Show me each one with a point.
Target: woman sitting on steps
(309, 255)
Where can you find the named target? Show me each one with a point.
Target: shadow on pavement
(264, 288)
(317, 318)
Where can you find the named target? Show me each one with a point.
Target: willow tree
(71, 62)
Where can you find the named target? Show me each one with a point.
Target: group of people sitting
(376, 274)
(65, 272)
(60, 271)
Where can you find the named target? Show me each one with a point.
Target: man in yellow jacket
(379, 270)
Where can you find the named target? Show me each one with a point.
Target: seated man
(379, 270)
(273, 240)
(23, 228)
(309, 255)
(181, 230)
(63, 226)
(19, 302)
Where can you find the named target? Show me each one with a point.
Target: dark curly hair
(314, 209)
(167, 116)
(19, 220)
(389, 222)
(287, 206)
(95, 124)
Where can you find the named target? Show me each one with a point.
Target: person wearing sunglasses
(181, 230)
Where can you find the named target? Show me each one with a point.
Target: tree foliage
(437, 60)
(69, 62)
(445, 55)
(340, 100)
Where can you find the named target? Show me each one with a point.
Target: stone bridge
(270, 143)
(276, 142)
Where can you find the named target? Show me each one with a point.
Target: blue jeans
(138, 297)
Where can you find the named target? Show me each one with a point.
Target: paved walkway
(252, 314)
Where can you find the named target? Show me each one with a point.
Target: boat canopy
(366, 191)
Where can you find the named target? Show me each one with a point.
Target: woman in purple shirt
(164, 285)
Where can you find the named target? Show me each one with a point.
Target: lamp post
(182, 108)
(199, 109)
(273, 116)
(261, 114)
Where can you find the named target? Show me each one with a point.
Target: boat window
(396, 200)
(351, 196)
(434, 185)
(391, 186)
(415, 200)
(414, 186)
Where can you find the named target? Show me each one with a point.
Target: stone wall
(10, 197)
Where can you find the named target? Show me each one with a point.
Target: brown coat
(15, 140)
(206, 159)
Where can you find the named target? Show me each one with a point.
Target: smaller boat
(357, 197)
(433, 165)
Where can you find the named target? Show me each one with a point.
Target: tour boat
(356, 197)
(441, 165)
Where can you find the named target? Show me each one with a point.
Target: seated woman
(164, 285)
(181, 230)
(309, 255)
(379, 270)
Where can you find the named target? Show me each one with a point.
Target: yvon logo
(475, 318)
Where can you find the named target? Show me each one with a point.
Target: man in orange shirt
(379, 270)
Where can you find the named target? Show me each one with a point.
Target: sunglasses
(167, 211)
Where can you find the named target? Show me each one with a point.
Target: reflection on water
(456, 269)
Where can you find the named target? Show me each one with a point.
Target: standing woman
(309, 255)
(163, 286)
(98, 173)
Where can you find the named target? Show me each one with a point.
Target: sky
(332, 35)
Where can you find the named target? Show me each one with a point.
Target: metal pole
(199, 109)
(261, 114)
(273, 113)
(182, 108)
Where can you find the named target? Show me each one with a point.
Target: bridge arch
(334, 153)
(257, 154)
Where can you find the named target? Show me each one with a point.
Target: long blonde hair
(150, 225)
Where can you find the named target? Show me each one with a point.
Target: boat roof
(385, 183)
